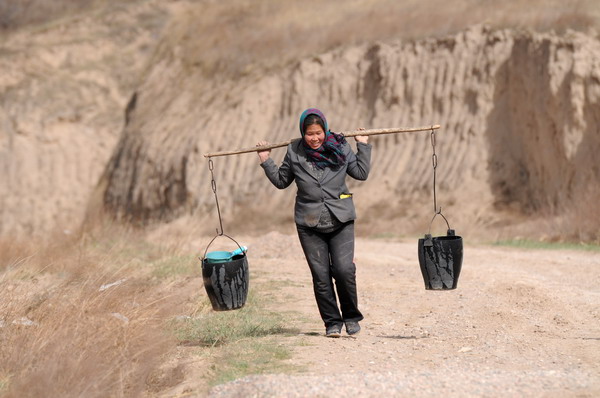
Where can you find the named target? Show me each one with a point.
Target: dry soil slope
(64, 87)
(66, 83)
(519, 112)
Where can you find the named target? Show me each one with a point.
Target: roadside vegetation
(102, 313)
(532, 244)
(242, 342)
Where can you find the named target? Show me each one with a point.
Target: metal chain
(434, 162)
(436, 211)
(213, 184)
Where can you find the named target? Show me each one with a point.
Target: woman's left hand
(362, 138)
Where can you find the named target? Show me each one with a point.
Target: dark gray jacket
(314, 193)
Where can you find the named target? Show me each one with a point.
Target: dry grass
(60, 334)
(211, 329)
(242, 342)
(581, 223)
(106, 313)
(63, 335)
(15, 14)
(574, 227)
(238, 37)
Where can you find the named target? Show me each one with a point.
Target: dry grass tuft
(210, 329)
(82, 317)
(107, 313)
(84, 342)
(581, 223)
(577, 226)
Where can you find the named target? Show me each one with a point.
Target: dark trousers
(330, 257)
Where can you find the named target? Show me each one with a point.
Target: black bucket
(227, 282)
(441, 258)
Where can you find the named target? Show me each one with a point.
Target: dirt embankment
(518, 110)
(64, 88)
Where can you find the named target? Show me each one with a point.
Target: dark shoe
(333, 331)
(352, 328)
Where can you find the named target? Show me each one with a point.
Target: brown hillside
(518, 138)
(64, 87)
(70, 70)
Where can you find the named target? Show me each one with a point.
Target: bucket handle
(428, 238)
(213, 239)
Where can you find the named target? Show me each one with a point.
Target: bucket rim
(218, 256)
(446, 237)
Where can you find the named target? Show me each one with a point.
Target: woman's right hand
(263, 155)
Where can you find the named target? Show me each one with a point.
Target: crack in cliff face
(372, 82)
(153, 191)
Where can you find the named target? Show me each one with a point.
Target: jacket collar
(303, 158)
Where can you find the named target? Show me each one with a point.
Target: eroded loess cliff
(64, 86)
(519, 137)
(518, 109)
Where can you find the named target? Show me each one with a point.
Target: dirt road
(521, 323)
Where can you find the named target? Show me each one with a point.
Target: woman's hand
(263, 155)
(362, 138)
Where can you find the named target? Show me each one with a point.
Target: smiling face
(314, 136)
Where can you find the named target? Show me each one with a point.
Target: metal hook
(213, 184)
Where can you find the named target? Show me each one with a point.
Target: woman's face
(314, 136)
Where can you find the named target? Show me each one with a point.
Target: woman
(324, 212)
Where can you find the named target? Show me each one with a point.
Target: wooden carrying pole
(345, 133)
